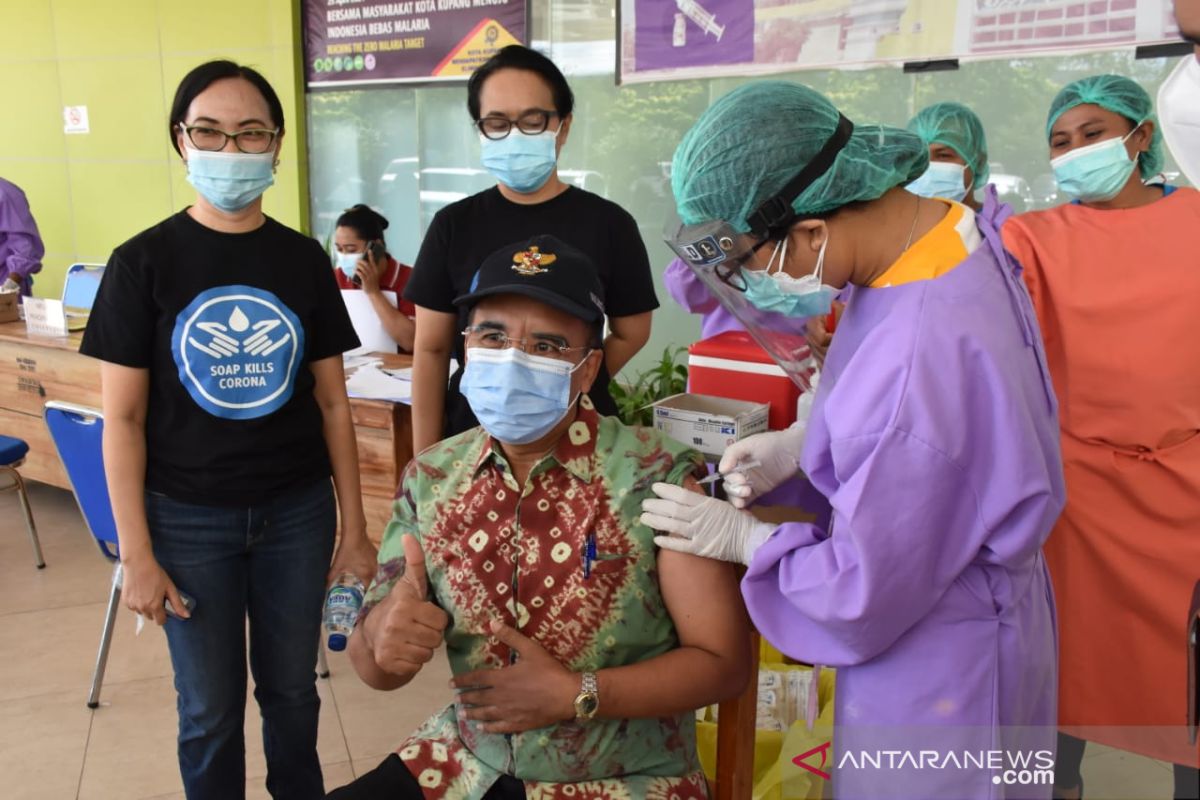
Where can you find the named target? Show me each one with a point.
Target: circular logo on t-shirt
(238, 350)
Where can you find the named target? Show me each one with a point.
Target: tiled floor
(53, 748)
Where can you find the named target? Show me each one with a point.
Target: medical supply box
(709, 424)
(733, 365)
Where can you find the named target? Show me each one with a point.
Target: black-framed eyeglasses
(532, 122)
(730, 272)
(254, 141)
(489, 338)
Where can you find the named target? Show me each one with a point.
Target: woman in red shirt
(372, 269)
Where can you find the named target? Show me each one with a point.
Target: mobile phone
(378, 251)
(188, 603)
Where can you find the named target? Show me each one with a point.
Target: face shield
(716, 253)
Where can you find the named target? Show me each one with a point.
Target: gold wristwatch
(587, 702)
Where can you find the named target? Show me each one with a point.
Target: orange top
(1116, 296)
(940, 250)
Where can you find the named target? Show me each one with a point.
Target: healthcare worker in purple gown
(933, 437)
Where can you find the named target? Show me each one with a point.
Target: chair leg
(29, 524)
(114, 599)
(322, 661)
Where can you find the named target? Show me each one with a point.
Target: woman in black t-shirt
(522, 106)
(225, 412)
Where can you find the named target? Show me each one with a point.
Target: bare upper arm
(435, 331)
(124, 392)
(330, 377)
(634, 327)
(704, 601)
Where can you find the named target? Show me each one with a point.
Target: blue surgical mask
(517, 398)
(230, 181)
(521, 161)
(943, 179)
(348, 263)
(780, 293)
(1097, 172)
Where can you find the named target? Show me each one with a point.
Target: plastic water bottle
(342, 605)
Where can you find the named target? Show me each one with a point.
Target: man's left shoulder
(642, 453)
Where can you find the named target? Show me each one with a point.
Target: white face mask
(1179, 116)
(348, 263)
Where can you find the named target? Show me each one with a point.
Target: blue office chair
(77, 432)
(12, 455)
(80, 286)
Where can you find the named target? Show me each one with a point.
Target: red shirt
(394, 279)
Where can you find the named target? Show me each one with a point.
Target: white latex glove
(778, 454)
(703, 526)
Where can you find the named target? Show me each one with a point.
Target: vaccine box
(733, 365)
(709, 424)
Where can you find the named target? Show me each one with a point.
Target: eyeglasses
(730, 272)
(491, 339)
(249, 140)
(532, 122)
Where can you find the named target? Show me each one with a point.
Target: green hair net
(751, 142)
(1119, 95)
(958, 128)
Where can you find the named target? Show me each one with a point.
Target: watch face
(586, 705)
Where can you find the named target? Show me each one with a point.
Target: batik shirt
(497, 550)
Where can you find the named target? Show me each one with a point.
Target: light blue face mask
(780, 293)
(230, 181)
(517, 398)
(943, 179)
(521, 161)
(1097, 172)
(348, 263)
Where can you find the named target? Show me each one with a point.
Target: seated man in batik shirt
(579, 650)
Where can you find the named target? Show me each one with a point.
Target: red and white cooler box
(733, 365)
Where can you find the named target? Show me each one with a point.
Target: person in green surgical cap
(1113, 276)
(958, 157)
(932, 444)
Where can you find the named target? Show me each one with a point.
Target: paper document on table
(351, 361)
(373, 383)
(370, 330)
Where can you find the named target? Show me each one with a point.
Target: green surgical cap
(747, 146)
(1119, 95)
(957, 127)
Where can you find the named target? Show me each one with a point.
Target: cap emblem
(532, 262)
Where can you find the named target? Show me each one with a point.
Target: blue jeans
(267, 562)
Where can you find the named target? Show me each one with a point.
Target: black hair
(206, 75)
(517, 56)
(368, 223)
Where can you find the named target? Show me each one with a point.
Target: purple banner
(349, 42)
(693, 33)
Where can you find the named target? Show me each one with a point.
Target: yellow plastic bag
(776, 777)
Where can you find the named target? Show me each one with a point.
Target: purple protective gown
(934, 436)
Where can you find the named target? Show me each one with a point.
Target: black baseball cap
(546, 269)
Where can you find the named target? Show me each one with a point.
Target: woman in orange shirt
(1114, 277)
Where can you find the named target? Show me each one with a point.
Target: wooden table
(37, 369)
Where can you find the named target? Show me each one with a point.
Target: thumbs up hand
(532, 693)
(406, 629)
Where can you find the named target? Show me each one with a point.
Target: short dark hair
(368, 223)
(206, 75)
(517, 56)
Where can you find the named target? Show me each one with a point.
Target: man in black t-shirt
(522, 106)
